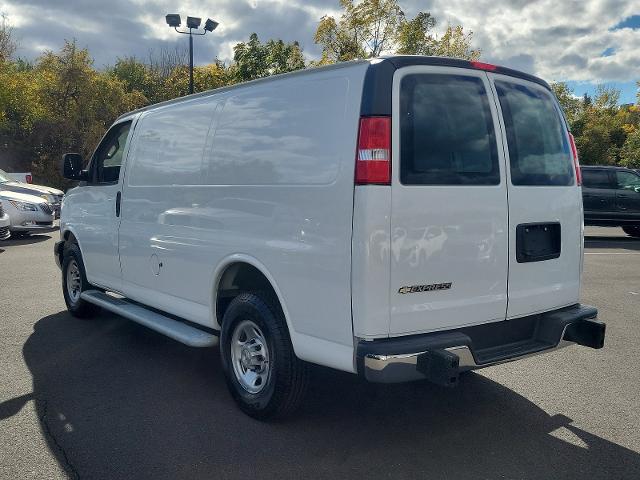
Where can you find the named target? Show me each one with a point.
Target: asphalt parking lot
(107, 399)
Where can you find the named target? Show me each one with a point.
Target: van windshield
(538, 148)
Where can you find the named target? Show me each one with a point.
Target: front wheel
(74, 282)
(263, 374)
(633, 231)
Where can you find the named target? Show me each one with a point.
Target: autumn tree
(206, 77)
(79, 104)
(136, 75)
(415, 36)
(374, 27)
(254, 59)
(8, 43)
(571, 105)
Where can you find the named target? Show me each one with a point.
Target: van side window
(595, 179)
(539, 151)
(107, 159)
(446, 131)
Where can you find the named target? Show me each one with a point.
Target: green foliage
(7, 42)
(415, 37)
(630, 153)
(61, 103)
(374, 27)
(605, 132)
(568, 101)
(255, 59)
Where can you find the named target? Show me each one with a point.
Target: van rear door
(545, 202)
(449, 216)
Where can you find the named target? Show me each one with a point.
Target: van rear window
(446, 131)
(539, 151)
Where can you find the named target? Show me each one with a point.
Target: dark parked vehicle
(611, 198)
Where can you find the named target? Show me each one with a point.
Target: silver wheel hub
(74, 281)
(250, 356)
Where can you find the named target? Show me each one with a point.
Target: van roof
(376, 97)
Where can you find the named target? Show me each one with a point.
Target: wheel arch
(238, 273)
(68, 235)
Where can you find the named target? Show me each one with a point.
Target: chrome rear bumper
(441, 356)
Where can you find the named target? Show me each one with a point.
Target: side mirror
(72, 167)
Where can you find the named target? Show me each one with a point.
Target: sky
(584, 43)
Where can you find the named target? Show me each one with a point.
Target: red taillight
(484, 66)
(576, 163)
(373, 158)
(29, 179)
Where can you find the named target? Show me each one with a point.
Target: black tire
(76, 306)
(287, 376)
(632, 231)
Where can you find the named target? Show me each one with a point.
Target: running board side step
(167, 326)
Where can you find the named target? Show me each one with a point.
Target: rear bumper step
(170, 327)
(441, 356)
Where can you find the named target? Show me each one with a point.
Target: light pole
(174, 20)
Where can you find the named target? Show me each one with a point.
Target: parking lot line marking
(612, 253)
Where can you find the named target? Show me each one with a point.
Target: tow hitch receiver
(588, 333)
(440, 367)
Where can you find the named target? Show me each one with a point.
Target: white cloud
(555, 39)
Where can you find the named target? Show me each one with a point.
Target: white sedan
(27, 213)
(5, 221)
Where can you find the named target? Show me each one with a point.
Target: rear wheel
(633, 231)
(74, 282)
(263, 374)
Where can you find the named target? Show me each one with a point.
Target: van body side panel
(158, 244)
(275, 182)
(371, 260)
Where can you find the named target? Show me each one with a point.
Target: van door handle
(118, 198)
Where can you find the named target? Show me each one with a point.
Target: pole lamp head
(193, 22)
(210, 25)
(173, 20)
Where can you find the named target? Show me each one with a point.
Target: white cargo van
(400, 218)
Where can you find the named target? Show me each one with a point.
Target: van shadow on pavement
(116, 400)
(28, 240)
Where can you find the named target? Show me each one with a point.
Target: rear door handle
(118, 198)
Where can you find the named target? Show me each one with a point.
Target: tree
(630, 153)
(80, 104)
(571, 105)
(599, 128)
(205, 77)
(375, 27)
(254, 59)
(8, 44)
(367, 29)
(456, 43)
(415, 37)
